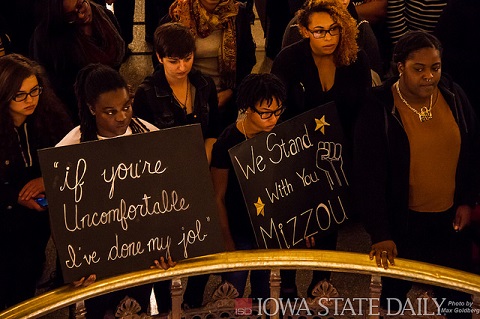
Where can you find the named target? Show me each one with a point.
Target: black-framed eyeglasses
(320, 34)
(267, 115)
(71, 17)
(36, 91)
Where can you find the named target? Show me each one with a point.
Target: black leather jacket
(155, 103)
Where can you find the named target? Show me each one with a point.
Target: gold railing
(274, 260)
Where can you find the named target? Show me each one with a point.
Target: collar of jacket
(163, 89)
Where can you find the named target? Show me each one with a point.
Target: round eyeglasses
(267, 115)
(320, 34)
(36, 91)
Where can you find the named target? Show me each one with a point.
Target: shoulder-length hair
(347, 49)
(49, 119)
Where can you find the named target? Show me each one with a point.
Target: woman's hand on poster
(384, 252)
(224, 97)
(310, 242)
(462, 217)
(162, 264)
(229, 243)
(32, 189)
(84, 282)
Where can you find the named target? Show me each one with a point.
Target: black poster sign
(294, 179)
(116, 205)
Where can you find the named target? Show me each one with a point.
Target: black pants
(429, 237)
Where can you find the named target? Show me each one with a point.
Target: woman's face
(77, 11)
(270, 114)
(30, 93)
(176, 68)
(210, 5)
(327, 43)
(421, 72)
(113, 112)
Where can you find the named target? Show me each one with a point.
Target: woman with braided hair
(105, 110)
(105, 107)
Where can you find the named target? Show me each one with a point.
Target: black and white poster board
(116, 205)
(294, 179)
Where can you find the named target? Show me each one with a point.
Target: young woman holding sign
(105, 109)
(260, 98)
(325, 66)
(31, 118)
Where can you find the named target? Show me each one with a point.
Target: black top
(295, 66)
(154, 102)
(238, 219)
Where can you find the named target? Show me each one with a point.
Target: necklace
(244, 131)
(425, 113)
(183, 105)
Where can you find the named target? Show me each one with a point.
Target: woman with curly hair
(31, 118)
(325, 66)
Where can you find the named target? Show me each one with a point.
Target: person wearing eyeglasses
(261, 101)
(325, 66)
(72, 35)
(366, 39)
(31, 118)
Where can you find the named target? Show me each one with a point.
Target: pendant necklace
(425, 113)
(183, 105)
(244, 131)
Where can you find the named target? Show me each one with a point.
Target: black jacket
(382, 159)
(155, 103)
(295, 66)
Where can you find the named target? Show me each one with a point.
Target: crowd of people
(411, 132)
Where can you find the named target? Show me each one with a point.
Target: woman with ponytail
(105, 110)
(104, 106)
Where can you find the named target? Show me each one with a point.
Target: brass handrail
(336, 261)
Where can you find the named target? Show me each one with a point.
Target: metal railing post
(275, 281)
(177, 298)
(375, 290)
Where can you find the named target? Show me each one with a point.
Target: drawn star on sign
(321, 123)
(260, 207)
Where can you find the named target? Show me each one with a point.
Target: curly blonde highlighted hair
(347, 49)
